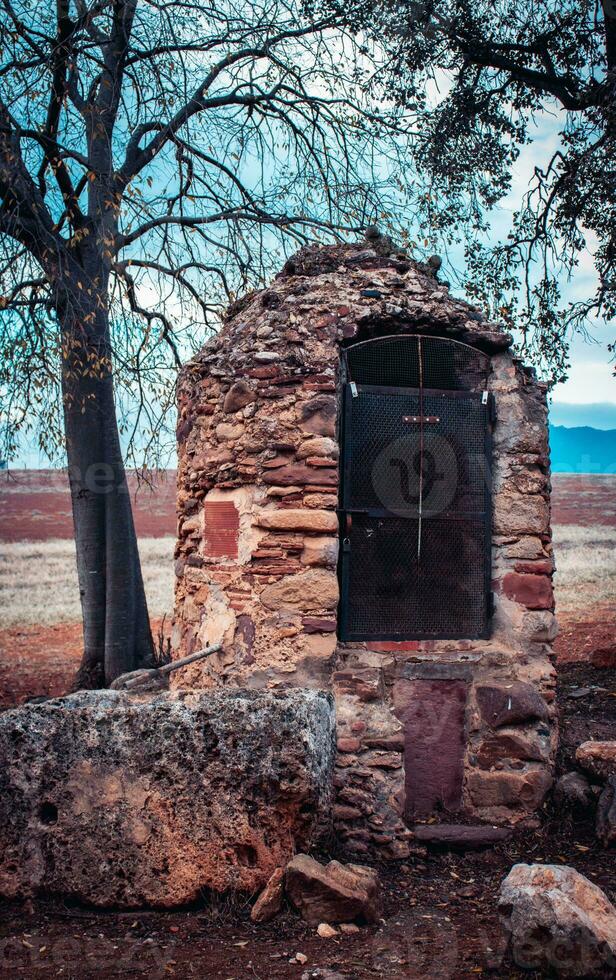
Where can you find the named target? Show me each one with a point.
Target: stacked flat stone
(257, 543)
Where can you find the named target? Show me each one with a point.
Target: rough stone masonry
(466, 727)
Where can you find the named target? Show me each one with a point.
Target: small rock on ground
(556, 919)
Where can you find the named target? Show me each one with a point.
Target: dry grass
(38, 581)
(586, 565)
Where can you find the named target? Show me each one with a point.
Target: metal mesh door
(415, 508)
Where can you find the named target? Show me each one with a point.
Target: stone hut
(363, 506)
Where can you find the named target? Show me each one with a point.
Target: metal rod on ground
(176, 664)
(141, 678)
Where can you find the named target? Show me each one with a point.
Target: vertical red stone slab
(432, 712)
(222, 525)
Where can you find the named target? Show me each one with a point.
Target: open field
(35, 504)
(40, 635)
(45, 590)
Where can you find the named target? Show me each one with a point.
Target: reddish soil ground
(439, 912)
(41, 661)
(439, 918)
(587, 631)
(584, 499)
(35, 504)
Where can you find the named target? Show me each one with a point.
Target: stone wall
(258, 547)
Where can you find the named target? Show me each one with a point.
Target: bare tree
(155, 155)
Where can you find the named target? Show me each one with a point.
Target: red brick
(532, 591)
(543, 567)
(222, 525)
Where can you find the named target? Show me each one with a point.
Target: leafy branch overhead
(485, 80)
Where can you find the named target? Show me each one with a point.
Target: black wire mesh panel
(411, 361)
(391, 594)
(394, 438)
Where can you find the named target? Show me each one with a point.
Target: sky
(588, 396)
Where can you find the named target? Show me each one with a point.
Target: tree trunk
(116, 628)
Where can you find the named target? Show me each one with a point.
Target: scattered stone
(334, 892)
(597, 758)
(301, 958)
(606, 813)
(349, 928)
(461, 836)
(128, 802)
(269, 902)
(573, 791)
(604, 656)
(556, 919)
(325, 931)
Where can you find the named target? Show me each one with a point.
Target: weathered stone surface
(238, 396)
(118, 801)
(320, 550)
(512, 744)
(298, 519)
(533, 591)
(556, 919)
(520, 514)
(269, 901)
(573, 791)
(432, 713)
(307, 591)
(509, 789)
(510, 703)
(606, 813)
(301, 474)
(332, 893)
(460, 836)
(318, 415)
(597, 758)
(319, 446)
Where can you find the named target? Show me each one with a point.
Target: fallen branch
(155, 676)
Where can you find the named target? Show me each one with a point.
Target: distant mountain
(583, 449)
(598, 415)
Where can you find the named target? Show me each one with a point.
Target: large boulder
(597, 758)
(122, 801)
(332, 893)
(556, 919)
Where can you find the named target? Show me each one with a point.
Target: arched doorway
(415, 499)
